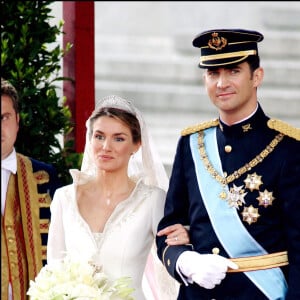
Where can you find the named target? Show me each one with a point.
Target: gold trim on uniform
(164, 253)
(260, 262)
(44, 200)
(221, 127)
(227, 55)
(284, 128)
(44, 252)
(44, 225)
(247, 167)
(246, 127)
(22, 252)
(198, 127)
(41, 176)
(250, 214)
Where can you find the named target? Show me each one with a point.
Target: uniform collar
(257, 120)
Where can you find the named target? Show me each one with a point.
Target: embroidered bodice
(123, 246)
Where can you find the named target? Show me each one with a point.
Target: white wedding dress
(123, 246)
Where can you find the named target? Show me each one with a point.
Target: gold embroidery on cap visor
(242, 54)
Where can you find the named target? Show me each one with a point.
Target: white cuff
(186, 280)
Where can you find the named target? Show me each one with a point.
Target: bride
(111, 211)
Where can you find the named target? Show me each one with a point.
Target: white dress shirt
(8, 166)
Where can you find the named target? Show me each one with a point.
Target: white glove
(207, 270)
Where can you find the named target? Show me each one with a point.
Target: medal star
(253, 181)
(265, 198)
(236, 196)
(250, 214)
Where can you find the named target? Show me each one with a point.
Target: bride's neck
(114, 183)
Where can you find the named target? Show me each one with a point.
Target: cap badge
(216, 42)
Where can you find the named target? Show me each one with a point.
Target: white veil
(145, 162)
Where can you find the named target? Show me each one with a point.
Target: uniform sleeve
(289, 187)
(176, 207)
(56, 238)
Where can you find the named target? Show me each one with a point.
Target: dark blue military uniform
(277, 224)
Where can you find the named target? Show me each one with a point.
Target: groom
(235, 182)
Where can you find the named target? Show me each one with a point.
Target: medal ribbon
(227, 225)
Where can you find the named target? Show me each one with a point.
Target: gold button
(168, 262)
(228, 148)
(216, 250)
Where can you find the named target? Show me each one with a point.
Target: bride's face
(112, 144)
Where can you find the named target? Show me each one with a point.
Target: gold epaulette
(285, 128)
(201, 126)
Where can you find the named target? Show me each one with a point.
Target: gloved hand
(207, 270)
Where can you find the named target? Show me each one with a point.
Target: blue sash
(227, 225)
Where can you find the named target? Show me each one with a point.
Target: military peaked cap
(221, 47)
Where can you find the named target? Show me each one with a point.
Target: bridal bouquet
(72, 279)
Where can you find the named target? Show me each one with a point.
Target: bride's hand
(176, 234)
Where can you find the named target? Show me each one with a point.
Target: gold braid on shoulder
(285, 128)
(198, 127)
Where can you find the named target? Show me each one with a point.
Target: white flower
(77, 280)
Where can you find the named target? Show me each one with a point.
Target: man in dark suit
(27, 187)
(236, 183)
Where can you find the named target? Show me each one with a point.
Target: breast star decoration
(250, 214)
(236, 196)
(253, 181)
(265, 198)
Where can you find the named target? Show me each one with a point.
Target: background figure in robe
(27, 187)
